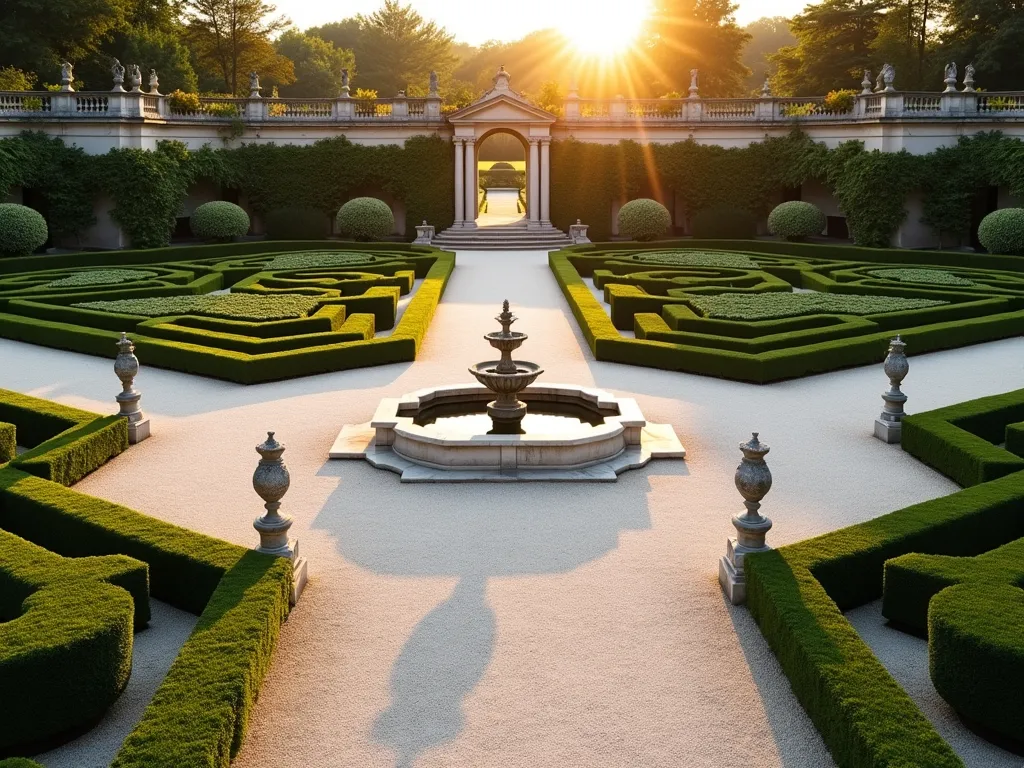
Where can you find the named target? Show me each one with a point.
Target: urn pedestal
(889, 425)
(753, 481)
(271, 481)
(126, 366)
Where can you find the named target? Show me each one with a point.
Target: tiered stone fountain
(508, 429)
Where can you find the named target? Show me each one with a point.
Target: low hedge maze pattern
(76, 575)
(287, 314)
(951, 569)
(763, 317)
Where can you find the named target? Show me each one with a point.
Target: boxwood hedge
(797, 595)
(360, 291)
(665, 294)
(199, 714)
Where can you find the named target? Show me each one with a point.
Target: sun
(608, 29)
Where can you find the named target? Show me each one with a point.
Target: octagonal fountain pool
(507, 428)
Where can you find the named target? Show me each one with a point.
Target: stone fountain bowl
(506, 383)
(505, 342)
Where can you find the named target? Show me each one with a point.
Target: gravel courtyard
(521, 626)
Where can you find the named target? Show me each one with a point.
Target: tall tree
(37, 34)
(989, 34)
(907, 39)
(318, 65)
(767, 36)
(835, 42)
(232, 37)
(396, 48)
(693, 34)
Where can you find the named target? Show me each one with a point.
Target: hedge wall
(798, 593)
(199, 714)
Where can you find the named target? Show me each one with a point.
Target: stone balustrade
(957, 105)
(770, 109)
(19, 105)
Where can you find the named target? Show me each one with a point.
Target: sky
(476, 21)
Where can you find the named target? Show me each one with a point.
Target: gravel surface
(520, 626)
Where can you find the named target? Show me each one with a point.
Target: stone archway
(502, 110)
(509, 216)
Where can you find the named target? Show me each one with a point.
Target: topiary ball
(219, 220)
(22, 229)
(723, 222)
(1002, 232)
(796, 220)
(644, 219)
(297, 224)
(365, 218)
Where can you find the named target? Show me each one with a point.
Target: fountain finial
(506, 318)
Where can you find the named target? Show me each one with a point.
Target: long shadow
(475, 533)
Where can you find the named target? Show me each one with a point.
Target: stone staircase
(506, 237)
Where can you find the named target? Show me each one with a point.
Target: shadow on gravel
(474, 532)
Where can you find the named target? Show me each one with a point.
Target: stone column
(472, 193)
(533, 201)
(545, 182)
(460, 177)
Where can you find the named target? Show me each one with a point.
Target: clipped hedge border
(930, 331)
(256, 367)
(797, 595)
(65, 444)
(200, 712)
(66, 644)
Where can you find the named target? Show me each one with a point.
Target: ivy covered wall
(871, 188)
(148, 188)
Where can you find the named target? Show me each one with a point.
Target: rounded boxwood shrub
(724, 222)
(365, 218)
(22, 229)
(644, 219)
(297, 224)
(1002, 232)
(796, 220)
(219, 220)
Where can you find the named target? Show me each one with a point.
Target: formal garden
(416, 595)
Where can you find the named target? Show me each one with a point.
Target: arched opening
(501, 173)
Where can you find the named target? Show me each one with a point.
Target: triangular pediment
(501, 109)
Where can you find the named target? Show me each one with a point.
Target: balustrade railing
(880, 105)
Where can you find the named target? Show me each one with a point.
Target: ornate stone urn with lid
(126, 366)
(271, 481)
(753, 481)
(889, 425)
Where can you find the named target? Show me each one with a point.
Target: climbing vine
(147, 188)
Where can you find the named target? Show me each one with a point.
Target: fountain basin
(611, 437)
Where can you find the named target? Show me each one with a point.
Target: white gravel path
(524, 626)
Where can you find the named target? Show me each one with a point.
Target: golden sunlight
(609, 29)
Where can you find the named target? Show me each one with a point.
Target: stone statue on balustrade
(889, 77)
(345, 89)
(879, 86)
(969, 79)
(766, 89)
(117, 70)
(865, 84)
(433, 84)
(950, 77)
(136, 75)
(254, 85)
(154, 82)
(694, 85)
(67, 76)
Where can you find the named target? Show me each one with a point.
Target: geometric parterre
(243, 312)
(763, 317)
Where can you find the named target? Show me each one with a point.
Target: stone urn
(271, 482)
(889, 424)
(126, 367)
(753, 481)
